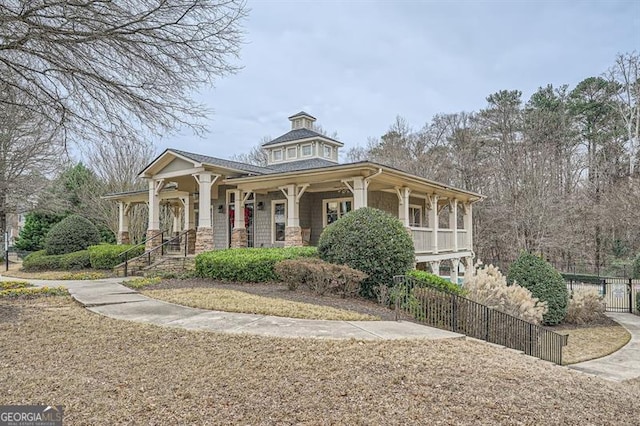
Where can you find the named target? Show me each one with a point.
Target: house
(218, 203)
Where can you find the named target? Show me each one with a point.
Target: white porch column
(293, 208)
(177, 223)
(434, 222)
(359, 193)
(204, 233)
(204, 204)
(123, 217)
(454, 270)
(154, 206)
(123, 222)
(154, 238)
(435, 267)
(403, 205)
(453, 222)
(468, 224)
(293, 232)
(238, 207)
(189, 212)
(189, 215)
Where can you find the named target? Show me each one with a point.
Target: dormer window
(327, 151)
(306, 150)
(277, 155)
(292, 152)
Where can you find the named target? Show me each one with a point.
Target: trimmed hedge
(320, 276)
(371, 241)
(75, 260)
(544, 282)
(40, 261)
(73, 233)
(247, 264)
(108, 256)
(426, 279)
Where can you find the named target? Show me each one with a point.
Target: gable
(177, 164)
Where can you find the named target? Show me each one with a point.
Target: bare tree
(256, 155)
(116, 163)
(29, 150)
(625, 75)
(99, 68)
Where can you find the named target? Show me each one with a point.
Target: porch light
(220, 208)
(260, 205)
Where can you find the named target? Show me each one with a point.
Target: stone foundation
(123, 237)
(239, 238)
(191, 241)
(293, 236)
(155, 241)
(204, 240)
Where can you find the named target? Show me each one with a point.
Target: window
(277, 155)
(292, 152)
(279, 219)
(327, 151)
(415, 216)
(336, 208)
(306, 150)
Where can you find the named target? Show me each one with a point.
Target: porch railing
(455, 313)
(423, 240)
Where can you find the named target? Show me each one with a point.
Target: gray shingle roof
(298, 134)
(228, 164)
(300, 114)
(311, 163)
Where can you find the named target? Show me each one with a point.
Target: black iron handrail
(143, 243)
(162, 249)
(449, 311)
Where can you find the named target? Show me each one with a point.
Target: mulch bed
(280, 291)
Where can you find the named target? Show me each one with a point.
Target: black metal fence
(618, 294)
(455, 313)
(571, 268)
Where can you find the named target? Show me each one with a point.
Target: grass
(142, 282)
(115, 372)
(22, 289)
(237, 301)
(85, 274)
(592, 342)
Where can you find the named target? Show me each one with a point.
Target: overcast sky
(356, 65)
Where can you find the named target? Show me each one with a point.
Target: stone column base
(293, 236)
(239, 238)
(155, 241)
(191, 241)
(123, 237)
(204, 240)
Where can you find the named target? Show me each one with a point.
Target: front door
(248, 222)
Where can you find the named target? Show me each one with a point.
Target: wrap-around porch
(292, 208)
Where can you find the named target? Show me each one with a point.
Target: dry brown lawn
(106, 371)
(218, 299)
(593, 342)
(84, 274)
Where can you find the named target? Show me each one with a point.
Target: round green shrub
(544, 282)
(73, 233)
(371, 241)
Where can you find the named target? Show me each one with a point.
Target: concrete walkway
(623, 364)
(110, 298)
